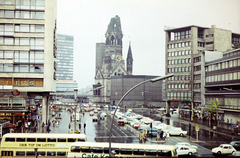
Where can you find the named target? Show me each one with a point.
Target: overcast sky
(142, 23)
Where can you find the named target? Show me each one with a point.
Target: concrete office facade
(184, 47)
(222, 82)
(28, 53)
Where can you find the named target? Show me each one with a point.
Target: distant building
(65, 85)
(112, 74)
(28, 55)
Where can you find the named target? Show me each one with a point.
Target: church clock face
(118, 58)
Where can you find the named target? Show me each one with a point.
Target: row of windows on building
(179, 61)
(33, 68)
(23, 2)
(179, 95)
(8, 29)
(34, 43)
(223, 65)
(38, 15)
(225, 101)
(183, 86)
(179, 53)
(231, 53)
(179, 45)
(21, 82)
(223, 77)
(23, 56)
(180, 69)
(182, 35)
(184, 77)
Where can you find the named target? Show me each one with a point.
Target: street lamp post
(75, 97)
(150, 80)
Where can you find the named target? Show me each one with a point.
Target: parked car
(94, 119)
(152, 132)
(185, 150)
(102, 116)
(177, 131)
(223, 149)
(186, 144)
(91, 113)
(235, 154)
(236, 144)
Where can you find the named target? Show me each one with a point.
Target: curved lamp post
(150, 80)
(75, 96)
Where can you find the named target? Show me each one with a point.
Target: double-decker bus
(93, 149)
(38, 144)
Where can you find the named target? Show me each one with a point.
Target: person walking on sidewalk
(168, 135)
(69, 126)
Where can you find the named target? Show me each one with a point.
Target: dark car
(236, 145)
(235, 154)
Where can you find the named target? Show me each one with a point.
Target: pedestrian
(227, 121)
(69, 126)
(70, 117)
(168, 135)
(84, 125)
(57, 123)
(161, 134)
(164, 135)
(43, 124)
(79, 126)
(34, 129)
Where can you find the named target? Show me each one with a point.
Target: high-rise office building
(184, 47)
(27, 53)
(65, 85)
(64, 57)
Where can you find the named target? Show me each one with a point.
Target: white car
(177, 131)
(223, 149)
(186, 144)
(91, 113)
(185, 150)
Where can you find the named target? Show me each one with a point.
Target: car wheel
(219, 153)
(190, 154)
(181, 134)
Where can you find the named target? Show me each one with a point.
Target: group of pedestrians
(163, 135)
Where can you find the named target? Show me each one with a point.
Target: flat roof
(185, 27)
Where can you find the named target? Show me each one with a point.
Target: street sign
(197, 127)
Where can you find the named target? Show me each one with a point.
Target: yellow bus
(41, 144)
(92, 149)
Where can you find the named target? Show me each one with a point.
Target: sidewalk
(221, 128)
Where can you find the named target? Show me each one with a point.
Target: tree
(212, 108)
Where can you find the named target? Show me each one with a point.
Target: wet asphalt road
(99, 131)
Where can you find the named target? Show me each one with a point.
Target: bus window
(51, 153)
(42, 153)
(61, 153)
(30, 153)
(97, 150)
(10, 140)
(20, 153)
(62, 140)
(126, 151)
(75, 149)
(71, 139)
(41, 139)
(51, 140)
(116, 150)
(81, 140)
(151, 152)
(7, 153)
(106, 150)
(164, 153)
(86, 149)
(20, 139)
(138, 151)
(31, 139)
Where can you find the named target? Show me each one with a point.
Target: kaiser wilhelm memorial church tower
(110, 62)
